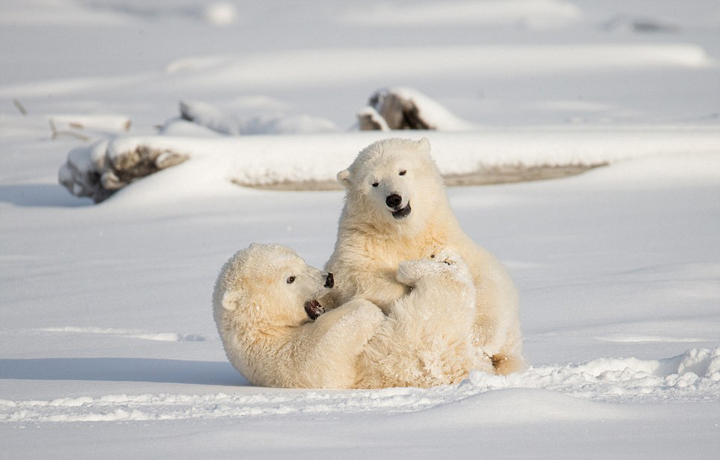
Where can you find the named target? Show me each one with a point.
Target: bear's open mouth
(402, 213)
(313, 309)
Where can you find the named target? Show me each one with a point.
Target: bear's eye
(403, 172)
(291, 280)
(375, 184)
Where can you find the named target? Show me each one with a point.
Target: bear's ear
(230, 300)
(344, 178)
(424, 144)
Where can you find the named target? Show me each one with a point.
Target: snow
(221, 13)
(529, 13)
(693, 376)
(278, 159)
(215, 119)
(107, 344)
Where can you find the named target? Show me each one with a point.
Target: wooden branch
(20, 107)
(56, 133)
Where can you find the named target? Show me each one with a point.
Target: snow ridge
(691, 377)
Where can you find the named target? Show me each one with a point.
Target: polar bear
(264, 305)
(426, 339)
(396, 209)
(264, 302)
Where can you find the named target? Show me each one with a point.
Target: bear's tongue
(314, 309)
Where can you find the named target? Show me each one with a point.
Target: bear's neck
(438, 223)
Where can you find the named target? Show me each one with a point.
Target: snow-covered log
(99, 170)
(407, 108)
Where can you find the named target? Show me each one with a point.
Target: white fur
(267, 336)
(426, 339)
(266, 333)
(372, 243)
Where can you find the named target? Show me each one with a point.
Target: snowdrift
(312, 161)
(692, 376)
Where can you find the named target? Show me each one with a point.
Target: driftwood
(21, 108)
(56, 132)
(93, 172)
(407, 108)
(398, 112)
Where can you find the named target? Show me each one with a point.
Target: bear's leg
(505, 365)
(509, 359)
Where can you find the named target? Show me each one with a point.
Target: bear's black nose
(329, 282)
(393, 201)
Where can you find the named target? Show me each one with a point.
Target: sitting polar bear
(265, 301)
(396, 209)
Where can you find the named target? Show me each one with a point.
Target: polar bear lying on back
(396, 209)
(265, 301)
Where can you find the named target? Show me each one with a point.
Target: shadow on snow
(122, 370)
(40, 195)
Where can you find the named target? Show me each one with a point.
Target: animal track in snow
(128, 333)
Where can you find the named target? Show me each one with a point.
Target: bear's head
(393, 182)
(271, 286)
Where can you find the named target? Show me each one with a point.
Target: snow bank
(328, 69)
(692, 376)
(318, 68)
(531, 13)
(269, 160)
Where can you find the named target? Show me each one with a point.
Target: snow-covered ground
(107, 343)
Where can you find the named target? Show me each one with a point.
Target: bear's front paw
(448, 257)
(409, 271)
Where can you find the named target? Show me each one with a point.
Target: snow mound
(692, 376)
(215, 119)
(534, 14)
(220, 13)
(303, 69)
(108, 165)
